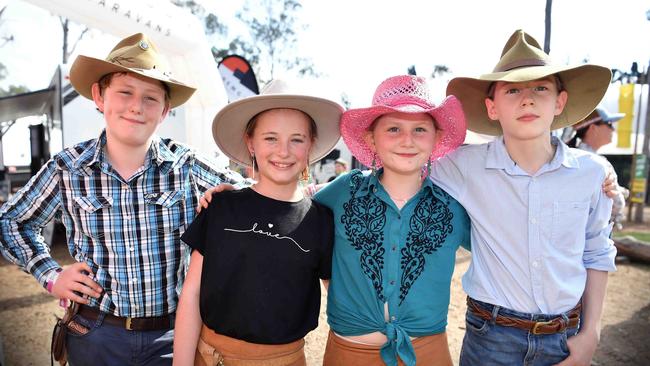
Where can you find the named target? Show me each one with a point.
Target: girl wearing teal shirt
(396, 233)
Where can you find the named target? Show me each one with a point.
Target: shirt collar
(373, 185)
(498, 157)
(159, 153)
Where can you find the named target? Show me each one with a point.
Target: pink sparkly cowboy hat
(406, 94)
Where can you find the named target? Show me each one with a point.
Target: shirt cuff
(46, 271)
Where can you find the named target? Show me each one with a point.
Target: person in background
(592, 133)
(340, 167)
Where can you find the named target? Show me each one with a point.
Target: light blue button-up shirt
(533, 236)
(383, 255)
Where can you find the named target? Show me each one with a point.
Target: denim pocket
(568, 333)
(476, 324)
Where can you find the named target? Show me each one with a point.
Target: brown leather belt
(138, 324)
(552, 326)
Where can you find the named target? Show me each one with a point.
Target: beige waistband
(217, 349)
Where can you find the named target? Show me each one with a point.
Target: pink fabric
(408, 94)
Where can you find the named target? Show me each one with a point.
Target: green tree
(272, 36)
(11, 89)
(273, 30)
(440, 70)
(211, 24)
(65, 27)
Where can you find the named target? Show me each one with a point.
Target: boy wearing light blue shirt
(540, 222)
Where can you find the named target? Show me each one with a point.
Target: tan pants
(430, 350)
(215, 349)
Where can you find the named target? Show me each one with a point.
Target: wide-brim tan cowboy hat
(523, 60)
(229, 125)
(135, 54)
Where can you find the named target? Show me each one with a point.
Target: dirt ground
(27, 315)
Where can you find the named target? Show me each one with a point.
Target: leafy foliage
(272, 35)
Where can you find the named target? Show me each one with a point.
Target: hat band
(587, 123)
(404, 101)
(521, 63)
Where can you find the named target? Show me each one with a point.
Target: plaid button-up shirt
(127, 231)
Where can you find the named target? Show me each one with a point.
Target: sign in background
(637, 193)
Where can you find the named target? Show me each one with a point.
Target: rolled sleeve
(600, 252)
(21, 222)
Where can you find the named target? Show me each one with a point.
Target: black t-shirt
(262, 260)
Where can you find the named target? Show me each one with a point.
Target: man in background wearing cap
(125, 198)
(594, 132)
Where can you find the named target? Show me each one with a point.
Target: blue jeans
(487, 343)
(105, 344)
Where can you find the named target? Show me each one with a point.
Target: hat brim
(585, 84)
(85, 71)
(448, 115)
(229, 125)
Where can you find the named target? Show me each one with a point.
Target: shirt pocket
(167, 209)
(569, 226)
(94, 214)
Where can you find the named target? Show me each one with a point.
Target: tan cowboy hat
(229, 125)
(135, 54)
(523, 60)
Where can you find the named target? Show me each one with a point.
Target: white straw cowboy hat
(229, 125)
(523, 60)
(135, 54)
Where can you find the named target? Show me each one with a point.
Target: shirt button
(392, 282)
(125, 187)
(393, 318)
(374, 190)
(394, 248)
(535, 264)
(533, 221)
(135, 280)
(131, 248)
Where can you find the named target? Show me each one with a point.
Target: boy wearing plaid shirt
(125, 198)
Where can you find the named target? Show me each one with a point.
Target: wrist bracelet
(50, 282)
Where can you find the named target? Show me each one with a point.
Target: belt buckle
(540, 324)
(128, 323)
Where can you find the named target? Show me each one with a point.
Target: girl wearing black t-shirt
(252, 291)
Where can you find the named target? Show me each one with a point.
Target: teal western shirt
(386, 255)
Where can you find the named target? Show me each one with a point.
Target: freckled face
(281, 142)
(526, 110)
(133, 107)
(403, 141)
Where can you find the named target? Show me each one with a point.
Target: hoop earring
(305, 175)
(428, 171)
(253, 160)
(373, 166)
